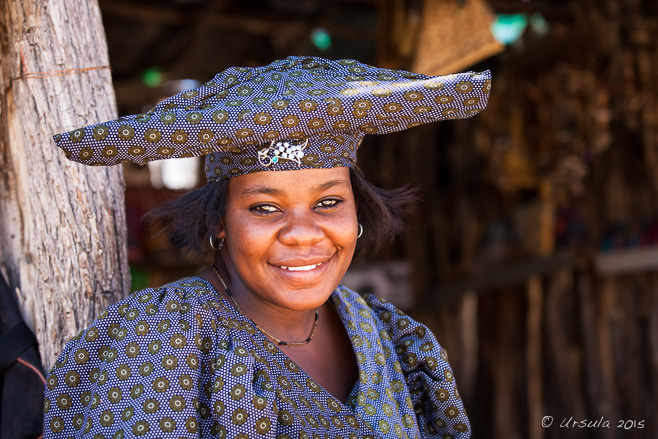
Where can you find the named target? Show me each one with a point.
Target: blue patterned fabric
(180, 362)
(323, 106)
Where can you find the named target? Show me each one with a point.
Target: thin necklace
(279, 342)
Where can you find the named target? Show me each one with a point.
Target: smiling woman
(289, 237)
(265, 342)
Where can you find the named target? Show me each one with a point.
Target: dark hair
(381, 212)
(189, 220)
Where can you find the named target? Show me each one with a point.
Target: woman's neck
(278, 323)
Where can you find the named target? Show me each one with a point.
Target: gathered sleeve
(161, 363)
(429, 377)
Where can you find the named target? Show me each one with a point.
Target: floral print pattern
(216, 375)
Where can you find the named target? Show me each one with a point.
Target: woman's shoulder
(411, 338)
(149, 314)
(192, 289)
(372, 306)
(156, 349)
(180, 295)
(416, 353)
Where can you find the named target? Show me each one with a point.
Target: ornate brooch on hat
(282, 151)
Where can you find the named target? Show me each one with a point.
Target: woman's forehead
(290, 182)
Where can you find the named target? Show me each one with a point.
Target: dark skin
(289, 239)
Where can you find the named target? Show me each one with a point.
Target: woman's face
(290, 236)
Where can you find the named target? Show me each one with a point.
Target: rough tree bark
(62, 225)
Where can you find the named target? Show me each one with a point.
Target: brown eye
(328, 203)
(264, 208)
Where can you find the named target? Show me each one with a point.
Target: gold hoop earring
(218, 245)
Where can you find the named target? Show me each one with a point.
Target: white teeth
(302, 268)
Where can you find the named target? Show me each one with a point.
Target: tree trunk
(62, 225)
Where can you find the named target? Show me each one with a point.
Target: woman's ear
(221, 230)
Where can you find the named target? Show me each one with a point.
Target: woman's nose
(301, 229)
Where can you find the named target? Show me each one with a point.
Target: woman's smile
(302, 272)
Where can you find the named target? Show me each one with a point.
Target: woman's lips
(302, 271)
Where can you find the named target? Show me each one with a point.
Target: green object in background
(539, 24)
(139, 279)
(507, 28)
(321, 38)
(152, 77)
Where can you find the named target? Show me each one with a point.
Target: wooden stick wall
(563, 162)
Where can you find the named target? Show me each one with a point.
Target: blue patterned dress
(180, 362)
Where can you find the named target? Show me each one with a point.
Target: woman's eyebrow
(267, 190)
(330, 184)
(260, 190)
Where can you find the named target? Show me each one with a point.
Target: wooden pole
(62, 225)
(533, 360)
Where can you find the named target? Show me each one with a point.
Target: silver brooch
(282, 150)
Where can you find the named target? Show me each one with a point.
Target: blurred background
(533, 253)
